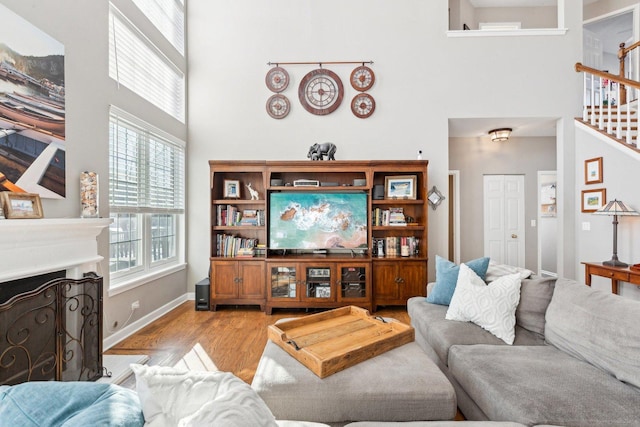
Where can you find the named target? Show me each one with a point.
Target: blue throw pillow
(70, 404)
(447, 277)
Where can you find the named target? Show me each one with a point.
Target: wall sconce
(615, 208)
(435, 197)
(500, 135)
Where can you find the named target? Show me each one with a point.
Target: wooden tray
(334, 340)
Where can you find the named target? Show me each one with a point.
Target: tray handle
(293, 343)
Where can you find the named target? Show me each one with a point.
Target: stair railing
(622, 56)
(601, 90)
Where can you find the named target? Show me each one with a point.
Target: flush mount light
(500, 135)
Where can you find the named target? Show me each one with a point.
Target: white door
(592, 50)
(504, 219)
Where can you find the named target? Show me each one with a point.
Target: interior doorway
(547, 223)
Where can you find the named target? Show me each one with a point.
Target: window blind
(139, 65)
(146, 167)
(168, 17)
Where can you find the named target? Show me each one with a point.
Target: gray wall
(82, 26)
(475, 157)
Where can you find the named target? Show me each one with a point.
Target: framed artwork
(400, 187)
(21, 205)
(593, 171)
(231, 189)
(592, 200)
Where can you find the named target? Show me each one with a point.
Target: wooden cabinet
(249, 198)
(395, 282)
(237, 282)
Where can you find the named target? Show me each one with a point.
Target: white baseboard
(132, 328)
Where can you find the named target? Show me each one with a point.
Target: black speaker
(203, 300)
(378, 192)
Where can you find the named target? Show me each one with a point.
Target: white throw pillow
(492, 306)
(496, 271)
(174, 397)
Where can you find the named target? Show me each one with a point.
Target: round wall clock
(277, 79)
(362, 78)
(321, 92)
(278, 106)
(363, 105)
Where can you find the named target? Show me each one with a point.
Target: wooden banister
(605, 75)
(622, 55)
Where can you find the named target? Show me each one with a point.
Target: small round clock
(320, 92)
(363, 105)
(278, 106)
(277, 79)
(362, 78)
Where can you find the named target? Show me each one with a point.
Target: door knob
(514, 236)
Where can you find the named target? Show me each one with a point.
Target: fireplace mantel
(29, 247)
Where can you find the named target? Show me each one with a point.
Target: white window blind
(168, 17)
(139, 65)
(146, 167)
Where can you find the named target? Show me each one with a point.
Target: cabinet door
(386, 281)
(251, 279)
(283, 282)
(224, 279)
(413, 275)
(353, 282)
(319, 282)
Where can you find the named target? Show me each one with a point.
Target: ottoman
(402, 384)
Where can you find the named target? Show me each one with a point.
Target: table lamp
(615, 208)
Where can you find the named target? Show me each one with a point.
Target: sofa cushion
(447, 277)
(535, 295)
(496, 270)
(598, 327)
(542, 385)
(69, 404)
(173, 396)
(492, 307)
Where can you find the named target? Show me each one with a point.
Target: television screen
(317, 220)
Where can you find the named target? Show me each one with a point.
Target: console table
(616, 274)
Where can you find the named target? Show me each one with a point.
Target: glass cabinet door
(318, 283)
(353, 282)
(283, 282)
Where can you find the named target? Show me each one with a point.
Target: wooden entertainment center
(388, 267)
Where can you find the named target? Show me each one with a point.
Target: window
(138, 64)
(146, 197)
(168, 17)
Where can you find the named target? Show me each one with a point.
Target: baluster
(619, 121)
(629, 98)
(585, 101)
(601, 104)
(593, 100)
(609, 107)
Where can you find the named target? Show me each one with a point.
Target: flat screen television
(313, 220)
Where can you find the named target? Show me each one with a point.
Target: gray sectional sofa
(575, 360)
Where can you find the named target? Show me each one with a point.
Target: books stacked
(391, 216)
(227, 215)
(393, 245)
(252, 217)
(231, 246)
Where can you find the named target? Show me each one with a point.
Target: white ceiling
(518, 3)
(522, 126)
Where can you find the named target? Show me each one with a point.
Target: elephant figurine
(318, 151)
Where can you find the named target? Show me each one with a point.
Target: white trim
(126, 285)
(506, 33)
(456, 214)
(127, 331)
(608, 140)
(539, 218)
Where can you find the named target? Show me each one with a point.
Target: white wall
(529, 17)
(423, 78)
(82, 26)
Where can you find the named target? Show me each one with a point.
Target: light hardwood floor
(233, 337)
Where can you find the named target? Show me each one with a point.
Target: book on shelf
(392, 245)
(391, 216)
(229, 245)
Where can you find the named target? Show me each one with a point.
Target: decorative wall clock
(362, 78)
(363, 105)
(321, 92)
(277, 79)
(278, 106)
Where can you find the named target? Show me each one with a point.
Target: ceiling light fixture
(500, 135)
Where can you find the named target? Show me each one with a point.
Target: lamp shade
(500, 135)
(616, 207)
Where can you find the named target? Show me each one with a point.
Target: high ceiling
(522, 126)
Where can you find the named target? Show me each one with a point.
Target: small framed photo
(592, 200)
(593, 171)
(21, 205)
(400, 187)
(231, 189)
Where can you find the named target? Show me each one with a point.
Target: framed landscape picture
(400, 187)
(593, 171)
(592, 200)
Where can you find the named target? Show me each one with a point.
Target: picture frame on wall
(593, 171)
(400, 187)
(592, 200)
(21, 205)
(231, 189)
